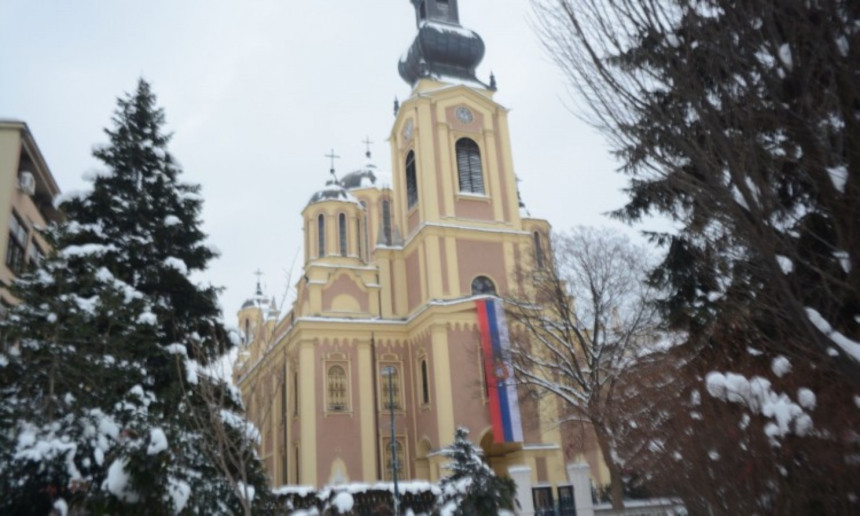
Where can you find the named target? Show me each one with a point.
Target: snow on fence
(651, 507)
(357, 499)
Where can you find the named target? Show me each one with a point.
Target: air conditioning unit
(27, 183)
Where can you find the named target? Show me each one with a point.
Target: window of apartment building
(17, 244)
(34, 255)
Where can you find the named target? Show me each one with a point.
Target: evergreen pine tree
(472, 488)
(105, 405)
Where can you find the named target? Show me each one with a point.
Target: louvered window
(386, 221)
(321, 236)
(411, 181)
(358, 238)
(538, 250)
(469, 166)
(341, 226)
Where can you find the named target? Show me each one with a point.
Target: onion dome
(333, 191)
(258, 300)
(361, 178)
(443, 49)
(367, 176)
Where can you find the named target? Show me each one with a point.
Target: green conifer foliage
(472, 488)
(104, 405)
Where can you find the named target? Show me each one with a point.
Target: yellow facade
(27, 192)
(391, 275)
(399, 294)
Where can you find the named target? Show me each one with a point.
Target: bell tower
(452, 170)
(436, 10)
(442, 48)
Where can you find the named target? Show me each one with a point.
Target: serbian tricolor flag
(501, 389)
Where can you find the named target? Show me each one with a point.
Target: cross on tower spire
(368, 143)
(333, 157)
(258, 273)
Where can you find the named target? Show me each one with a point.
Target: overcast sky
(256, 92)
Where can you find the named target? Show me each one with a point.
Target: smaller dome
(363, 178)
(258, 300)
(333, 191)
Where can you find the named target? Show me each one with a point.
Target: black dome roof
(442, 51)
(333, 191)
(362, 178)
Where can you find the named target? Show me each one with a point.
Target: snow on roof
(333, 191)
(447, 28)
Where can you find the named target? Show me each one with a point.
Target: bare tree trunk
(616, 486)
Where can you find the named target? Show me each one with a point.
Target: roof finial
(332, 156)
(396, 106)
(492, 81)
(258, 273)
(368, 143)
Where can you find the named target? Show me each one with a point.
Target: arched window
(321, 235)
(483, 285)
(358, 238)
(538, 250)
(247, 331)
(366, 231)
(389, 462)
(425, 384)
(336, 388)
(411, 181)
(469, 166)
(386, 221)
(296, 393)
(341, 229)
(390, 400)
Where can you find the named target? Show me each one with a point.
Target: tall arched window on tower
(469, 166)
(538, 250)
(425, 383)
(366, 235)
(411, 181)
(390, 400)
(386, 221)
(321, 235)
(358, 239)
(341, 229)
(483, 285)
(336, 388)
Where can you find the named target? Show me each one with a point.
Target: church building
(398, 310)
